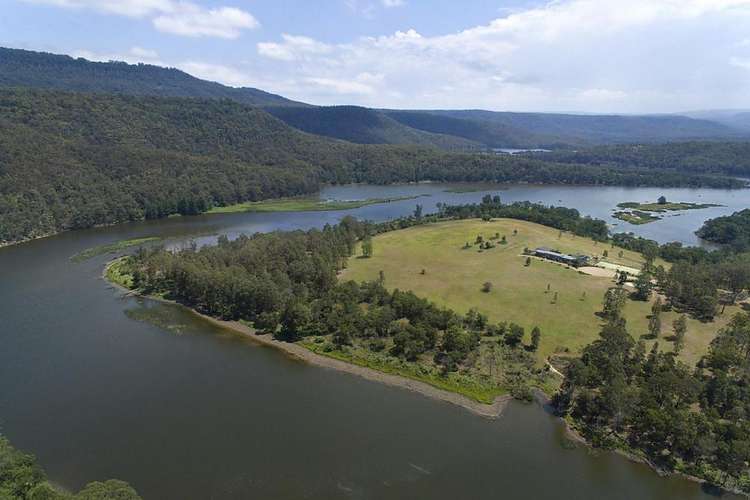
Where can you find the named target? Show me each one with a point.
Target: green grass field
(301, 205)
(453, 277)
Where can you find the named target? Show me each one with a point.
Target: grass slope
(454, 277)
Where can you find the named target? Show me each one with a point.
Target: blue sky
(567, 55)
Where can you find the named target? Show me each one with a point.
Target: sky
(596, 56)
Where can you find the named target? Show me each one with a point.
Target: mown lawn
(453, 277)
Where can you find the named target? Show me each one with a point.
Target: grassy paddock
(302, 205)
(453, 277)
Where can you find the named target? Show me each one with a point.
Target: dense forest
(695, 157)
(365, 126)
(21, 478)
(71, 161)
(732, 230)
(690, 419)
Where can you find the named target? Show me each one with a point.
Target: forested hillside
(366, 126)
(76, 160)
(729, 158)
(602, 129)
(24, 68)
(487, 133)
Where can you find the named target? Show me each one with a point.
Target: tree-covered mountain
(734, 118)
(73, 160)
(489, 134)
(24, 68)
(703, 157)
(488, 129)
(366, 126)
(601, 129)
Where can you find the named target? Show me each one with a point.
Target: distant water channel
(99, 386)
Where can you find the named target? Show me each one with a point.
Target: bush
(377, 345)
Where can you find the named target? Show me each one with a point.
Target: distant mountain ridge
(597, 129)
(462, 130)
(24, 68)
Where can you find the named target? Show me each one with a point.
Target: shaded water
(101, 386)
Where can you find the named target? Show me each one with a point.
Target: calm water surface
(102, 386)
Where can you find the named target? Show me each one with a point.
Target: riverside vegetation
(21, 478)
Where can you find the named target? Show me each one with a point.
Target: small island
(643, 213)
(636, 217)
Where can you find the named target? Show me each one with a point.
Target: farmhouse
(571, 260)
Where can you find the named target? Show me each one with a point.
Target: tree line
(732, 230)
(680, 418)
(697, 157)
(22, 478)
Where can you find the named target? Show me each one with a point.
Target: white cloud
(132, 8)
(364, 8)
(178, 17)
(293, 47)
(393, 3)
(338, 86)
(592, 55)
(190, 20)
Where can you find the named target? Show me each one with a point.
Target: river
(182, 409)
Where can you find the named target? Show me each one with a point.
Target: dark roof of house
(552, 253)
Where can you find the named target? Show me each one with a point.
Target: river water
(182, 409)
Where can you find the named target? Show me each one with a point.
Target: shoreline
(573, 435)
(301, 353)
(490, 411)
